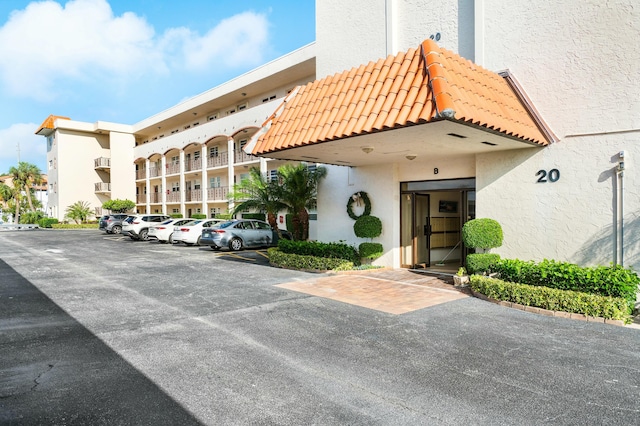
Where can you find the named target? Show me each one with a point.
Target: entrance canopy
(427, 102)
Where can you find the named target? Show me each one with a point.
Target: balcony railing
(192, 165)
(217, 194)
(141, 199)
(140, 174)
(173, 197)
(154, 198)
(173, 168)
(154, 172)
(218, 160)
(193, 195)
(102, 163)
(99, 211)
(241, 157)
(102, 187)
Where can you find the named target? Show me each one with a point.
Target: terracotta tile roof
(395, 92)
(49, 121)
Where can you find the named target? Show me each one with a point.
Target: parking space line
(262, 253)
(239, 257)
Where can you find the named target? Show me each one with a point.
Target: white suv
(137, 226)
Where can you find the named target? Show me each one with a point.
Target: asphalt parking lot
(98, 329)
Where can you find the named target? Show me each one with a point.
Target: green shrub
(118, 206)
(594, 305)
(482, 233)
(176, 215)
(31, 217)
(74, 226)
(318, 249)
(258, 216)
(199, 216)
(480, 263)
(46, 222)
(297, 261)
(614, 281)
(370, 250)
(367, 227)
(224, 216)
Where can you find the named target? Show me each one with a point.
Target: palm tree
(299, 191)
(24, 177)
(257, 193)
(8, 193)
(78, 211)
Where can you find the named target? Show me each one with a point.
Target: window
(175, 187)
(213, 151)
(175, 159)
(272, 175)
(196, 184)
(50, 164)
(244, 176)
(49, 142)
(214, 182)
(196, 155)
(214, 211)
(175, 211)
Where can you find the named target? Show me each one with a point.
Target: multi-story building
(183, 160)
(527, 113)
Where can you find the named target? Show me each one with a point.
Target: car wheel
(170, 239)
(235, 244)
(216, 248)
(106, 231)
(144, 235)
(198, 241)
(116, 229)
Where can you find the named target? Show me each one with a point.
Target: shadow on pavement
(55, 371)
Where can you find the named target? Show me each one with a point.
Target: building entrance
(432, 215)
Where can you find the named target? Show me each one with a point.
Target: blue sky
(125, 60)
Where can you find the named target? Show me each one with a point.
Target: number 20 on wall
(551, 176)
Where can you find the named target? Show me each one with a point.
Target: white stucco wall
(574, 219)
(123, 174)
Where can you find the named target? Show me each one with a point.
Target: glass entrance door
(415, 229)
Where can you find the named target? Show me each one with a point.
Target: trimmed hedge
(74, 226)
(317, 249)
(594, 305)
(479, 263)
(176, 215)
(289, 260)
(199, 216)
(367, 227)
(482, 233)
(46, 222)
(370, 250)
(614, 281)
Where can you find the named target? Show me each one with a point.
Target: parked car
(163, 232)
(112, 223)
(240, 233)
(137, 226)
(190, 232)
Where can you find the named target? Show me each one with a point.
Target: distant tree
(299, 191)
(118, 206)
(257, 193)
(78, 211)
(24, 177)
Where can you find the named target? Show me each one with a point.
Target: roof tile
(409, 88)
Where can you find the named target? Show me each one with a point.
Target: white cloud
(33, 148)
(82, 40)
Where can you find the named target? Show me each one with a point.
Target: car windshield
(166, 222)
(129, 219)
(192, 223)
(225, 224)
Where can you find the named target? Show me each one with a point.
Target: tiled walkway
(393, 291)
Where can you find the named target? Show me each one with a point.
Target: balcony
(173, 168)
(217, 194)
(218, 161)
(154, 198)
(102, 163)
(141, 199)
(193, 195)
(193, 165)
(173, 197)
(140, 174)
(154, 172)
(99, 211)
(241, 157)
(102, 187)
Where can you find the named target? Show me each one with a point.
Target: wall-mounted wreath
(359, 198)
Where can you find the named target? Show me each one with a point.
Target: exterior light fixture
(410, 157)
(367, 149)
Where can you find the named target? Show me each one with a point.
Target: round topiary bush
(370, 250)
(482, 233)
(367, 227)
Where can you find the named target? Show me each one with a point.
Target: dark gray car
(112, 223)
(240, 233)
